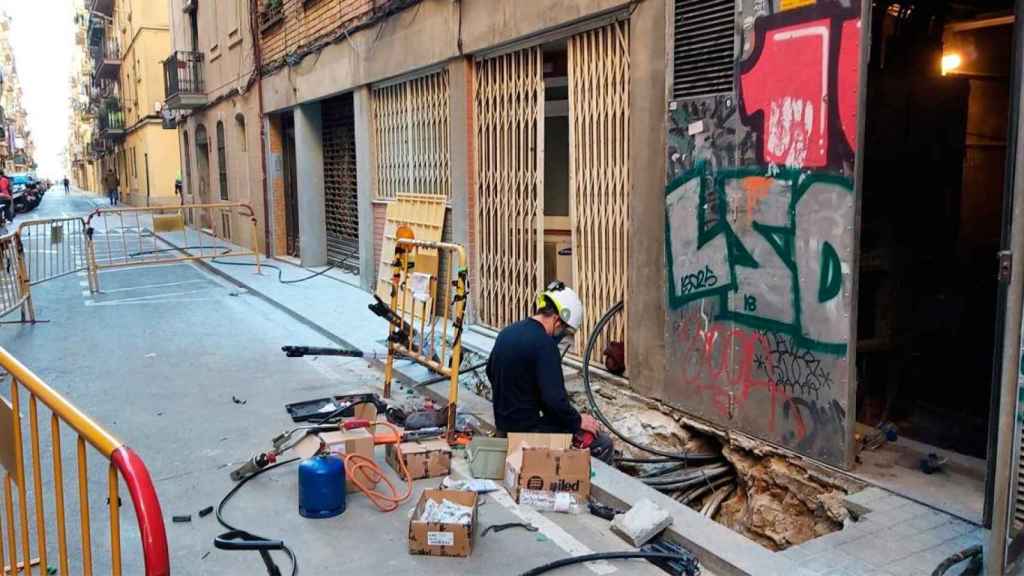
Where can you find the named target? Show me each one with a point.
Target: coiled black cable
(249, 537)
(591, 343)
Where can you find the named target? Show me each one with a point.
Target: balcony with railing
(107, 56)
(185, 81)
(105, 7)
(111, 120)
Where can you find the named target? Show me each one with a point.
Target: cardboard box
(423, 459)
(358, 441)
(441, 539)
(547, 463)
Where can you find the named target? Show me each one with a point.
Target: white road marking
(143, 287)
(130, 303)
(157, 296)
(553, 532)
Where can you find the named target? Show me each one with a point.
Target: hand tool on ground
(301, 351)
(502, 527)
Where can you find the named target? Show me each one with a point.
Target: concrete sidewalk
(896, 536)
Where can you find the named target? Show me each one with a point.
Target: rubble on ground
(776, 499)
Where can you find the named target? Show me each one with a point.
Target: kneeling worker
(525, 371)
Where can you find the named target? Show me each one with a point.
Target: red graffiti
(729, 363)
(791, 81)
(849, 80)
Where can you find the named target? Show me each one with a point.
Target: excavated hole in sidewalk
(771, 498)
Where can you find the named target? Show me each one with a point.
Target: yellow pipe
(99, 438)
(37, 475)
(3, 550)
(19, 465)
(58, 488)
(115, 521)
(11, 540)
(83, 505)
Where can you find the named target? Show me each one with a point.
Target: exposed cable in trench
(588, 353)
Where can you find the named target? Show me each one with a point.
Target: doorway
(203, 169)
(291, 190)
(933, 219)
(340, 187)
(552, 182)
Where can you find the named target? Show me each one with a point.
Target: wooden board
(424, 214)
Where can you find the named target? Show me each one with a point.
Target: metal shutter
(340, 194)
(704, 58)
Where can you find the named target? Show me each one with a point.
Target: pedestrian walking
(67, 186)
(110, 182)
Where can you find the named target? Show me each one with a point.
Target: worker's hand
(589, 424)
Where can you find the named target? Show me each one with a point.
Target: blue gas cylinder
(321, 487)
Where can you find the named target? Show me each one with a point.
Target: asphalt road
(188, 371)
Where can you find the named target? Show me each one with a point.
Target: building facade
(211, 97)
(82, 161)
(128, 40)
(804, 204)
(17, 149)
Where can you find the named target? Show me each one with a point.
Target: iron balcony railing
(111, 119)
(184, 74)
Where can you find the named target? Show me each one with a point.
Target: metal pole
(1005, 460)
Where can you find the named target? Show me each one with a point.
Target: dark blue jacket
(525, 370)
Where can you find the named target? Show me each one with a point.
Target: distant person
(110, 182)
(67, 186)
(6, 201)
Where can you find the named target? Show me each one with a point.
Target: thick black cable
(591, 343)
(250, 536)
(604, 556)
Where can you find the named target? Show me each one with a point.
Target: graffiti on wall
(760, 210)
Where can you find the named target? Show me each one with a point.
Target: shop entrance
(933, 220)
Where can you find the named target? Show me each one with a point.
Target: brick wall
(275, 172)
(305, 22)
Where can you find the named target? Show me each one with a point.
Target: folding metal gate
(509, 113)
(340, 193)
(599, 173)
(411, 125)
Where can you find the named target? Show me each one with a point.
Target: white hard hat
(568, 303)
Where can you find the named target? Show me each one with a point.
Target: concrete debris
(777, 499)
(779, 504)
(642, 523)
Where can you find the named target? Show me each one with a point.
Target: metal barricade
(53, 248)
(15, 291)
(25, 528)
(157, 235)
(418, 330)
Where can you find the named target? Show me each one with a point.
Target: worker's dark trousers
(603, 448)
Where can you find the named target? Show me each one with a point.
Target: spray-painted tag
(440, 538)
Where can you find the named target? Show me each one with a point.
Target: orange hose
(357, 465)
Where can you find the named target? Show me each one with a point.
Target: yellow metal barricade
(53, 248)
(427, 313)
(157, 235)
(28, 530)
(15, 291)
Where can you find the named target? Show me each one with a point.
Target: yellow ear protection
(546, 297)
